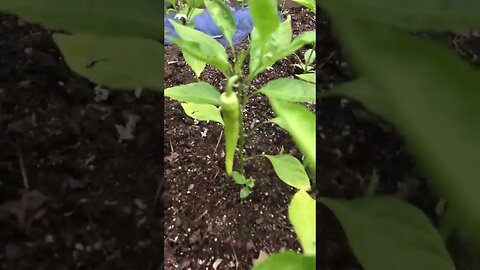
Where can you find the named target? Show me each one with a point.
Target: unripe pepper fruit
(230, 109)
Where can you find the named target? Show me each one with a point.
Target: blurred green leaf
(239, 178)
(278, 122)
(287, 260)
(310, 4)
(302, 215)
(116, 62)
(223, 18)
(201, 93)
(290, 170)
(202, 46)
(309, 77)
(141, 18)
(309, 56)
(290, 90)
(203, 112)
(244, 192)
(300, 124)
(387, 233)
(265, 16)
(410, 14)
(432, 98)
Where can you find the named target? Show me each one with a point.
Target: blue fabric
(204, 23)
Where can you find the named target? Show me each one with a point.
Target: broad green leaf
(203, 112)
(201, 93)
(250, 183)
(308, 37)
(309, 77)
(239, 178)
(196, 64)
(310, 4)
(202, 46)
(287, 260)
(116, 62)
(302, 215)
(290, 170)
(263, 52)
(387, 233)
(309, 56)
(279, 122)
(223, 18)
(410, 14)
(359, 89)
(140, 18)
(290, 90)
(435, 107)
(300, 124)
(244, 192)
(265, 16)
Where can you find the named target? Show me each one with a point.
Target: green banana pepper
(230, 109)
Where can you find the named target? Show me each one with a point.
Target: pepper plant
(431, 97)
(271, 41)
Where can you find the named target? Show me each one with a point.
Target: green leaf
(309, 56)
(290, 171)
(223, 18)
(434, 104)
(287, 260)
(290, 90)
(308, 37)
(244, 192)
(300, 124)
(387, 233)
(310, 4)
(141, 18)
(264, 16)
(196, 64)
(279, 122)
(309, 77)
(201, 93)
(302, 215)
(116, 62)
(263, 53)
(202, 46)
(203, 112)
(250, 183)
(431, 15)
(239, 178)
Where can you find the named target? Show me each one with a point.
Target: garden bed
(93, 199)
(206, 223)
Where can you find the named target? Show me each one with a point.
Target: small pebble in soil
(49, 239)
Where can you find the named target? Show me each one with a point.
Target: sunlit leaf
(290, 170)
(290, 90)
(203, 112)
(201, 93)
(302, 215)
(223, 18)
(287, 260)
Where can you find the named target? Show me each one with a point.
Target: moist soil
(207, 225)
(72, 194)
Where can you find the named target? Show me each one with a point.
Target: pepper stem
(231, 83)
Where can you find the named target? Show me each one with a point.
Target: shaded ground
(91, 199)
(206, 224)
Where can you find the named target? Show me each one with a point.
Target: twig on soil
(216, 174)
(199, 217)
(234, 254)
(171, 146)
(22, 167)
(218, 142)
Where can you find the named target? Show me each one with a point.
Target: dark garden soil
(72, 195)
(207, 226)
(353, 144)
